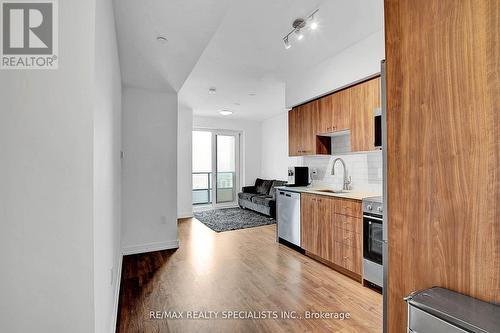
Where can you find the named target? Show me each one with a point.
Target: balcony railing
(202, 187)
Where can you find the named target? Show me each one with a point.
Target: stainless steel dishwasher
(288, 213)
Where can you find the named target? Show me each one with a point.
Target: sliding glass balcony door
(215, 168)
(226, 168)
(202, 168)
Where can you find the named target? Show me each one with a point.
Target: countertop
(316, 190)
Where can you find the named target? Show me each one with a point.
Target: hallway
(244, 270)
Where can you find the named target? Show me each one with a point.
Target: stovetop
(377, 199)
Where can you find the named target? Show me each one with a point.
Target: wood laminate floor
(243, 270)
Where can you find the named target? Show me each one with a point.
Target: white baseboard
(185, 215)
(118, 278)
(150, 247)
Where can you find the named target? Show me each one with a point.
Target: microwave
(377, 120)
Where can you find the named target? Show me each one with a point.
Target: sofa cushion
(276, 183)
(263, 200)
(248, 189)
(262, 186)
(246, 196)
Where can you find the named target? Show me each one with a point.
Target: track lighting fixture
(297, 27)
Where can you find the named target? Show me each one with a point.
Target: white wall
(250, 142)
(107, 169)
(354, 63)
(184, 162)
(149, 170)
(46, 186)
(275, 160)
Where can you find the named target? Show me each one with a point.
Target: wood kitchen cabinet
(334, 112)
(348, 109)
(331, 229)
(302, 129)
(316, 228)
(307, 128)
(294, 132)
(347, 217)
(364, 98)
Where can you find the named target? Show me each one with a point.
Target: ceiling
(188, 26)
(235, 46)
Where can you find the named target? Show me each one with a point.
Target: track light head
(299, 34)
(287, 43)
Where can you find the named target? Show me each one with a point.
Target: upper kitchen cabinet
(302, 129)
(348, 109)
(294, 134)
(334, 112)
(364, 98)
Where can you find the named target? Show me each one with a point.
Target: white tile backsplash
(341, 143)
(365, 170)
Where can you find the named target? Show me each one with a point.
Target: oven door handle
(372, 217)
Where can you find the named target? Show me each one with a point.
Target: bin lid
(463, 311)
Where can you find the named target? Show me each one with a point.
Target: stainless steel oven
(373, 240)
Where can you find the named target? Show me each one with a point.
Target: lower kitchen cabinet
(331, 229)
(316, 214)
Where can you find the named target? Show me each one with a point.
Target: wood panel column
(443, 114)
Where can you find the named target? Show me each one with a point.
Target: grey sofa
(261, 197)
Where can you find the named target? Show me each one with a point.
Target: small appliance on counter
(298, 176)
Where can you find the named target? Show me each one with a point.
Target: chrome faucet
(347, 180)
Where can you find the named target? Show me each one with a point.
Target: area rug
(220, 220)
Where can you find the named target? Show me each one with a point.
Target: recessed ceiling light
(314, 25)
(226, 112)
(161, 39)
(212, 91)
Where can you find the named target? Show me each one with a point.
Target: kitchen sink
(330, 191)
